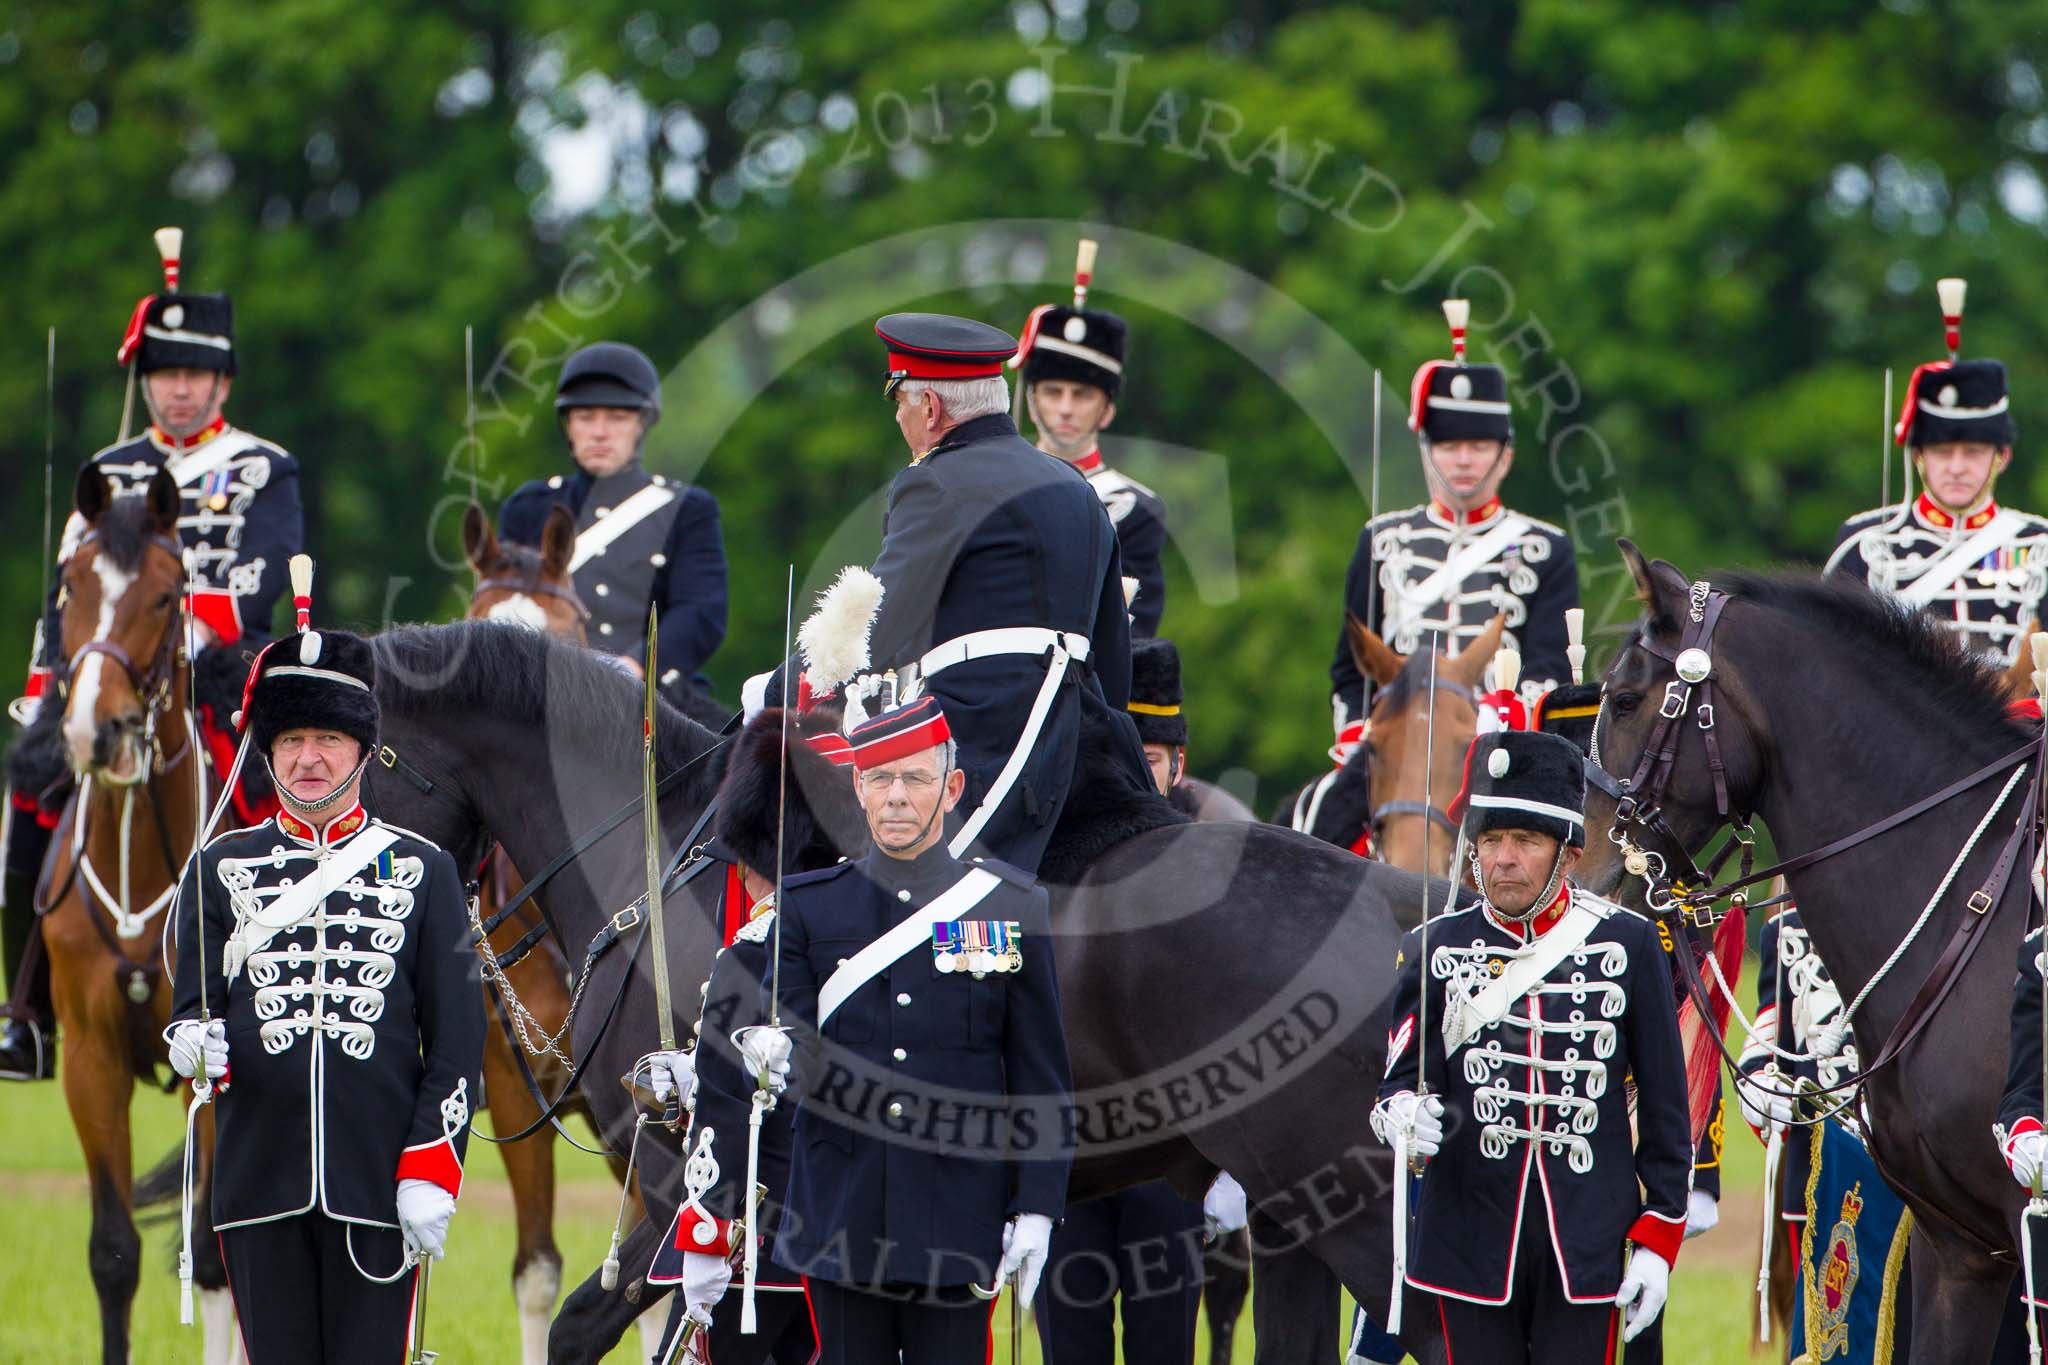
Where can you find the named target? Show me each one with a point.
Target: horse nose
(108, 739)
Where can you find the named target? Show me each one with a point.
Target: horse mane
(1926, 658)
(529, 678)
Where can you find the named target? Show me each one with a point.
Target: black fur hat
(320, 679)
(1966, 401)
(1155, 703)
(1524, 779)
(820, 820)
(1570, 710)
(1083, 344)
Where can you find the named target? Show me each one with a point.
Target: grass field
(49, 1313)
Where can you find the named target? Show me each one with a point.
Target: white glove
(424, 1209)
(193, 1043)
(1420, 1119)
(1027, 1240)
(1702, 1212)
(706, 1277)
(672, 1073)
(754, 694)
(1647, 1282)
(763, 1047)
(2023, 1155)
(1223, 1208)
(1762, 1104)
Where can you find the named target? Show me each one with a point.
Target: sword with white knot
(664, 1016)
(2037, 1204)
(765, 1047)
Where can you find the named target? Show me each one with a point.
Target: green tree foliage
(1695, 235)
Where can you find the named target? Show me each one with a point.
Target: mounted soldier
(1073, 363)
(239, 523)
(2021, 1138)
(1451, 564)
(916, 980)
(640, 537)
(326, 987)
(1002, 592)
(1953, 550)
(1509, 1065)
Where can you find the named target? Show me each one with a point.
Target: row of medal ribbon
(977, 946)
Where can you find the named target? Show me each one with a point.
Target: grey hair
(964, 399)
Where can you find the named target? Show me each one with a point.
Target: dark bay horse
(1834, 709)
(1259, 960)
(526, 585)
(113, 867)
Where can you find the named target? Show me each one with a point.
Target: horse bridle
(533, 586)
(153, 684)
(1437, 814)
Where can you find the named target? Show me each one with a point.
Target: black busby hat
(1570, 709)
(1082, 344)
(1155, 703)
(610, 374)
(320, 680)
(1453, 401)
(1963, 400)
(196, 331)
(315, 680)
(169, 330)
(1524, 779)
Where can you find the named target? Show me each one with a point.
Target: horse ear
(1661, 587)
(1373, 656)
(1468, 665)
(557, 542)
(95, 493)
(163, 504)
(2018, 680)
(479, 542)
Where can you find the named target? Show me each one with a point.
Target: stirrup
(27, 1053)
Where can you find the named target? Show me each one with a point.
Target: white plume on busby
(834, 637)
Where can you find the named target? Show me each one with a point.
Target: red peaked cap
(908, 729)
(939, 346)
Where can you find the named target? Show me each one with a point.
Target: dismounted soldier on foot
(332, 998)
(930, 1153)
(1542, 1219)
(1446, 568)
(239, 521)
(1953, 550)
(640, 537)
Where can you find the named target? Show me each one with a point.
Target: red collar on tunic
(336, 830)
(1931, 513)
(1486, 511)
(200, 437)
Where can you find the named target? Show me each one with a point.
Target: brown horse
(114, 866)
(1391, 794)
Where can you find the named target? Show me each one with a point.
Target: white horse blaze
(79, 725)
(519, 610)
